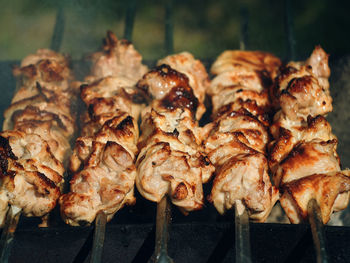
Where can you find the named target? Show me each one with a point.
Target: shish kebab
(238, 135)
(37, 128)
(303, 157)
(171, 163)
(36, 142)
(171, 160)
(104, 154)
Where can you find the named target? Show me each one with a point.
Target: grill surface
(190, 242)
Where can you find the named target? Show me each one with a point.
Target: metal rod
(289, 25)
(244, 29)
(8, 233)
(129, 19)
(99, 237)
(317, 229)
(162, 232)
(242, 236)
(169, 27)
(57, 36)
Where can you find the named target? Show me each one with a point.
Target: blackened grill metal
(203, 236)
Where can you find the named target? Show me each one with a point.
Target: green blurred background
(204, 28)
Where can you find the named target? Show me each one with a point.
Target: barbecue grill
(202, 236)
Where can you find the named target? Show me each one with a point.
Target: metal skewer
(8, 233)
(169, 27)
(160, 254)
(101, 217)
(242, 236)
(317, 229)
(129, 19)
(314, 211)
(57, 36)
(99, 237)
(288, 25)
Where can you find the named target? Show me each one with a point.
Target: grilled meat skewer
(237, 137)
(38, 127)
(104, 155)
(303, 157)
(171, 160)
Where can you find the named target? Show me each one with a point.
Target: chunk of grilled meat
(308, 158)
(31, 177)
(164, 84)
(330, 190)
(242, 80)
(302, 89)
(45, 54)
(235, 60)
(109, 94)
(194, 69)
(171, 160)
(243, 179)
(118, 58)
(105, 172)
(237, 138)
(301, 95)
(290, 133)
(236, 146)
(303, 156)
(47, 70)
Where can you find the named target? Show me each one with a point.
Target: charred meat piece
(31, 177)
(330, 190)
(118, 58)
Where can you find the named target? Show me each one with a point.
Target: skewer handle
(8, 233)
(242, 236)
(99, 237)
(162, 230)
(317, 229)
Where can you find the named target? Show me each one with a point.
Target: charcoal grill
(203, 236)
